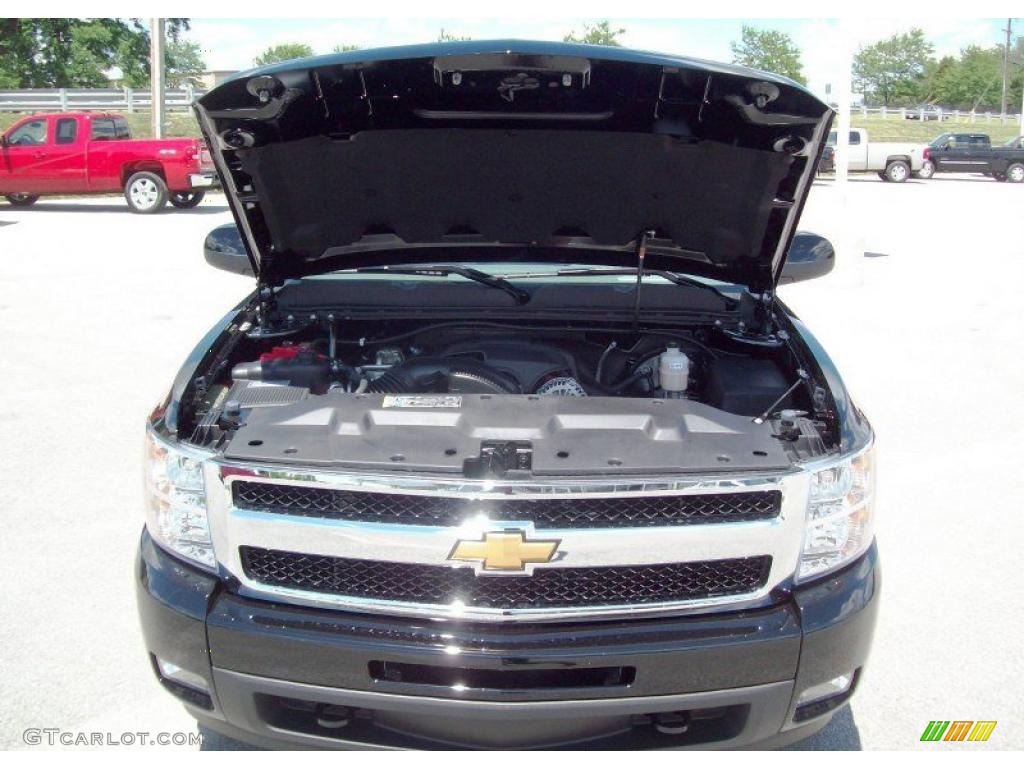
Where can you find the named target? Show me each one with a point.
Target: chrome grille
(276, 516)
(560, 512)
(554, 588)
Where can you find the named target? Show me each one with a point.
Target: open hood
(515, 151)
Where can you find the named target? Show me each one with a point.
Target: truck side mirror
(224, 249)
(809, 256)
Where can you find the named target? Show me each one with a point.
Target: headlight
(840, 510)
(176, 501)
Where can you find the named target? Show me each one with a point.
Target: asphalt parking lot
(922, 314)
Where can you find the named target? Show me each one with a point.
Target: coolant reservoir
(673, 370)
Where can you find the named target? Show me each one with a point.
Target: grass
(178, 123)
(895, 128)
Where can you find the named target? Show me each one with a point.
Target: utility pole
(156, 74)
(1006, 65)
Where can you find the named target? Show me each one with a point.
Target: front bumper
(276, 674)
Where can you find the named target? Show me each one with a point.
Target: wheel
(897, 171)
(1015, 173)
(187, 199)
(22, 200)
(927, 170)
(145, 192)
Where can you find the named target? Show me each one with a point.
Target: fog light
(332, 716)
(833, 687)
(821, 699)
(171, 671)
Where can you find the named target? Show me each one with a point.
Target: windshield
(940, 140)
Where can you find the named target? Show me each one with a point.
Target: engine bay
(469, 358)
(358, 394)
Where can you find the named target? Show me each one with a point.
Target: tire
(927, 170)
(1015, 173)
(145, 192)
(897, 172)
(186, 200)
(22, 200)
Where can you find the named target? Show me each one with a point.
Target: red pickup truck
(93, 153)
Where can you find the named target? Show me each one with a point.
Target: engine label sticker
(423, 401)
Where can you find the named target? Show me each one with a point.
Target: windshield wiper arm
(443, 270)
(672, 277)
(678, 279)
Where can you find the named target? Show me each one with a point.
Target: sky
(232, 44)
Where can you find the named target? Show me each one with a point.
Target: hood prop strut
(641, 254)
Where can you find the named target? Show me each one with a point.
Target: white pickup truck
(892, 161)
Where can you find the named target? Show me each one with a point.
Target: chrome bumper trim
(196, 180)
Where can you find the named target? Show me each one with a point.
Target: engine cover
(568, 435)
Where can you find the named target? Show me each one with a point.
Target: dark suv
(514, 444)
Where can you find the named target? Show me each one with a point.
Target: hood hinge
(757, 312)
(766, 311)
(266, 304)
(757, 321)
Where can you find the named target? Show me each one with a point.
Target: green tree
(974, 80)
(65, 53)
(89, 55)
(1016, 87)
(770, 51)
(283, 52)
(892, 71)
(932, 81)
(450, 37)
(183, 63)
(16, 50)
(344, 48)
(597, 34)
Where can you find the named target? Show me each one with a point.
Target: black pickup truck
(514, 444)
(974, 153)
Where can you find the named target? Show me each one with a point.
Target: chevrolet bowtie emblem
(507, 551)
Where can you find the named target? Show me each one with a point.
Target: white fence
(130, 100)
(72, 99)
(937, 114)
